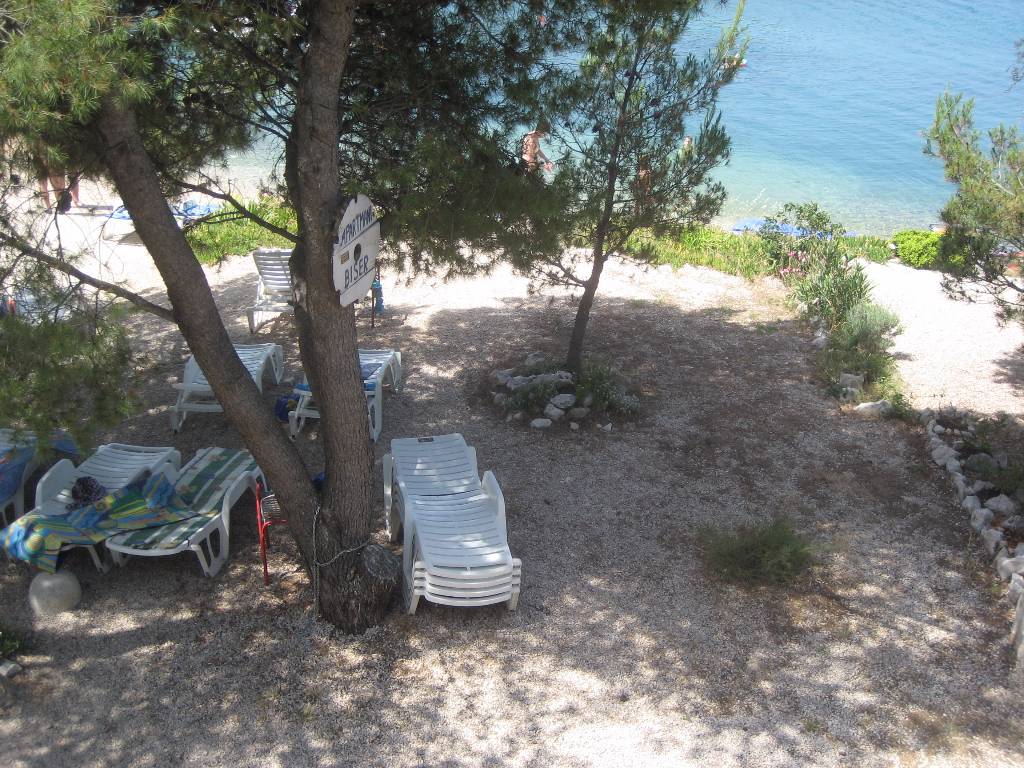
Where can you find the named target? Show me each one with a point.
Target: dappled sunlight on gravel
(625, 651)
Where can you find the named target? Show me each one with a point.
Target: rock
(1017, 633)
(980, 463)
(980, 518)
(1016, 587)
(517, 416)
(540, 423)
(1014, 525)
(960, 485)
(820, 341)
(500, 398)
(982, 485)
(953, 467)
(534, 358)
(874, 410)
(502, 376)
(8, 668)
(574, 426)
(565, 402)
(1002, 504)
(553, 412)
(971, 503)
(607, 427)
(925, 416)
(942, 454)
(1010, 566)
(518, 382)
(938, 429)
(51, 593)
(1002, 460)
(588, 400)
(992, 538)
(851, 380)
(577, 414)
(848, 395)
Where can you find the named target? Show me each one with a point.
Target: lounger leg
(412, 600)
(263, 554)
(513, 601)
(252, 322)
(211, 564)
(118, 558)
(97, 559)
(19, 505)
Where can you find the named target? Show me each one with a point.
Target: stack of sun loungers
(455, 541)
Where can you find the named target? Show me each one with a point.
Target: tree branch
(244, 212)
(102, 285)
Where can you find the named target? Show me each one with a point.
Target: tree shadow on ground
(1010, 370)
(624, 648)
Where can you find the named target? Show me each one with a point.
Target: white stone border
(1008, 566)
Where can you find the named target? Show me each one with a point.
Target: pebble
(9, 668)
(579, 413)
(980, 518)
(574, 426)
(1010, 566)
(540, 423)
(875, 409)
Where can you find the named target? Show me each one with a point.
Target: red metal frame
(262, 523)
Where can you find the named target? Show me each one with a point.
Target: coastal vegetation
(227, 233)
(985, 218)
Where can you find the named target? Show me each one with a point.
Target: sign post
(355, 251)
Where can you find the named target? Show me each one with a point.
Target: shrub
(918, 248)
(868, 247)
(8, 643)
(600, 382)
(229, 234)
(768, 553)
(531, 398)
(831, 287)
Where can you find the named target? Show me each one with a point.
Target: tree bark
(356, 592)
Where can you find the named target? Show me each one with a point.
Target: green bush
(831, 287)
(531, 398)
(918, 248)
(600, 382)
(742, 255)
(8, 643)
(868, 247)
(768, 553)
(229, 234)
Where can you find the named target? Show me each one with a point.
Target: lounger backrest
(434, 466)
(253, 357)
(275, 271)
(115, 465)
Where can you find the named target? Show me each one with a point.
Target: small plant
(743, 255)
(8, 643)
(832, 287)
(531, 398)
(600, 382)
(868, 247)
(861, 344)
(767, 553)
(918, 248)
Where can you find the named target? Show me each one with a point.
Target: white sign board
(355, 251)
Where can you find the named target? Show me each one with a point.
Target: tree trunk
(574, 360)
(357, 592)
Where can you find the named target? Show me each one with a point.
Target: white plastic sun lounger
(389, 372)
(274, 287)
(114, 466)
(455, 539)
(215, 479)
(16, 486)
(195, 394)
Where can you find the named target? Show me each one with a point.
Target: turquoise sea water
(836, 92)
(834, 98)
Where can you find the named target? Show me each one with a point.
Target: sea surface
(834, 99)
(836, 93)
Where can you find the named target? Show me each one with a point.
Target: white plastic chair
(195, 394)
(273, 288)
(455, 542)
(114, 466)
(390, 370)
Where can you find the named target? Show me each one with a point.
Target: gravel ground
(624, 651)
(951, 352)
